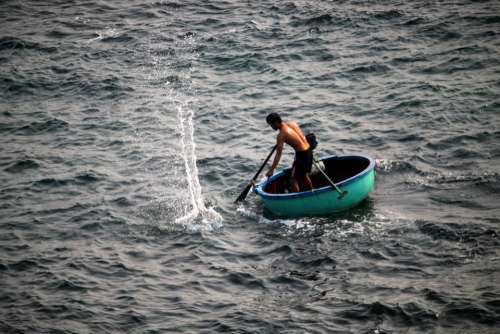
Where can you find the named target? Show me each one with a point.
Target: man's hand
(270, 173)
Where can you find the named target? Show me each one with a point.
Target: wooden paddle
(245, 191)
(341, 193)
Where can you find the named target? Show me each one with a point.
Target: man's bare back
(292, 135)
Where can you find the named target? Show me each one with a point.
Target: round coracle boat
(353, 176)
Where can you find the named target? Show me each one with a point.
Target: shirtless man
(290, 133)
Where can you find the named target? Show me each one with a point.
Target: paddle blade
(244, 193)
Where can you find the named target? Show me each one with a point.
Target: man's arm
(280, 141)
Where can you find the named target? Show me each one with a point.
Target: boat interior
(337, 169)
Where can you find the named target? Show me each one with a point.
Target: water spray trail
(189, 174)
(179, 95)
(188, 151)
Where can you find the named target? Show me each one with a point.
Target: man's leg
(294, 183)
(307, 182)
(304, 184)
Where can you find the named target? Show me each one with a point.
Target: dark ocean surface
(128, 128)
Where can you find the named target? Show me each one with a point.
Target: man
(290, 133)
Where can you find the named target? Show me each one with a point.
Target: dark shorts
(302, 164)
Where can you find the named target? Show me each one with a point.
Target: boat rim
(259, 188)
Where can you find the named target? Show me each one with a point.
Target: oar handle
(244, 193)
(342, 194)
(264, 164)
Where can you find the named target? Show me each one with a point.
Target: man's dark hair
(273, 118)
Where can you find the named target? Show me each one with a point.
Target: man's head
(274, 120)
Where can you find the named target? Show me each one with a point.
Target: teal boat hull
(324, 200)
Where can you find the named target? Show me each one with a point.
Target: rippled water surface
(128, 128)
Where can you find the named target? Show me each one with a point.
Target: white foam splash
(208, 216)
(171, 72)
(196, 216)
